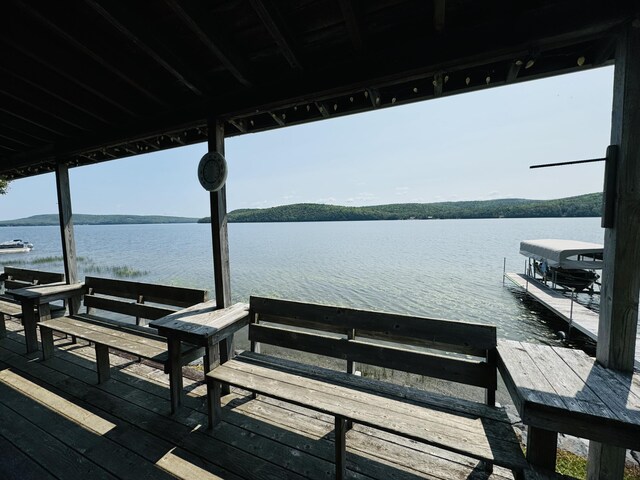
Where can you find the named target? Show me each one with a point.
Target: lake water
(438, 268)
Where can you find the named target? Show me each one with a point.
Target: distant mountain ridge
(85, 219)
(588, 205)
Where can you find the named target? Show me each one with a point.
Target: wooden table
(37, 298)
(202, 325)
(564, 390)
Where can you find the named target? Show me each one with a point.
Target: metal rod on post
(504, 270)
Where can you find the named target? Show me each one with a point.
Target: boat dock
(574, 314)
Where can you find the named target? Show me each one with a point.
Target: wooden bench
(474, 429)
(13, 277)
(133, 300)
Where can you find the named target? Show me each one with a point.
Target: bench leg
(30, 322)
(542, 448)
(3, 327)
(102, 362)
(46, 335)
(175, 373)
(215, 355)
(341, 448)
(214, 407)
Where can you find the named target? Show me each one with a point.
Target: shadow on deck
(55, 422)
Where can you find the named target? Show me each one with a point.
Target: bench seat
(124, 338)
(474, 430)
(107, 299)
(415, 345)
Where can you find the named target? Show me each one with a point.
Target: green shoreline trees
(588, 205)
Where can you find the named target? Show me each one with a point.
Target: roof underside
(89, 80)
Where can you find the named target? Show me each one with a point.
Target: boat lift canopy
(569, 254)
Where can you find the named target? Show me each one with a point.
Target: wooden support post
(213, 402)
(175, 373)
(46, 335)
(621, 277)
(222, 276)
(341, 448)
(492, 360)
(542, 447)
(30, 322)
(65, 214)
(102, 363)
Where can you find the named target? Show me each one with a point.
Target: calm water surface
(439, 268)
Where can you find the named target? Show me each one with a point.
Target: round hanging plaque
(212, 171)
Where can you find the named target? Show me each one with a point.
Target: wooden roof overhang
(88, 81)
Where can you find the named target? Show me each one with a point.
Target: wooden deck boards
(55, 422)
(582, 319)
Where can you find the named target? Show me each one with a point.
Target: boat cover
(564, 253)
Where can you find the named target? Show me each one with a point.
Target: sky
(473, 146)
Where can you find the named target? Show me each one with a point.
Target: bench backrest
(140, 300)
(21, 277)
(381, 339)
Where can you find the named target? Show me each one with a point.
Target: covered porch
(154, 79)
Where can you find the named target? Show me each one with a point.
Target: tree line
(588, 205)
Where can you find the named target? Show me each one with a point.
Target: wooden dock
(576, 315)
(56, 422)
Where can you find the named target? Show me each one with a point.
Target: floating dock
(574, 314)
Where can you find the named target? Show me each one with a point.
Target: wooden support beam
(374, 97)
(39, 108)
(277, 119)
(438, 84)
(439, 7)
(66, 230)
(82, 47)
(274, 25)
(322, 108)
(621, 276)
(30, 121)
(13, 140)
(142, 45)
(219, 233)
(50, 64)
(353, 25)
(213, 43)
(47, 91)
(10, 129)
(604, 52)
(239, 124)
(514, 69)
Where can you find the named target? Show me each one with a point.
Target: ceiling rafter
(13, 140)
(71, 78)
(52, 94)
(439, 8)
(32, 122)
(11, 130)
(90, 53)
(142, 45)
(214, 45)
(42, 110)
(353, 25)
(272, 23)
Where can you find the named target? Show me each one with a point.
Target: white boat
(15, 246)
(568, 263)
